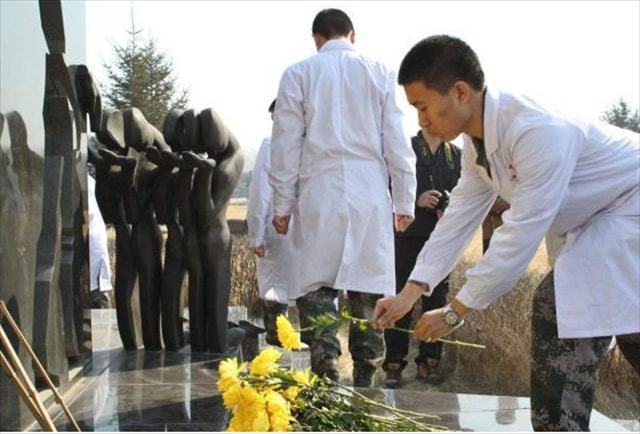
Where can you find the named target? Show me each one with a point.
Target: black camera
(443, 203)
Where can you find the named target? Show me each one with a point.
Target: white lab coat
(337, 141)
(568, 178)
(99, 268)
(277, 270)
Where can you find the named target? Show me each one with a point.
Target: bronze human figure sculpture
(215, 238)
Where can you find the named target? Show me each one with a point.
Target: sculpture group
(183, 178)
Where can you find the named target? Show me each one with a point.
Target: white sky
(576, 57)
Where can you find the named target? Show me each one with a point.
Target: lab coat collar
(337, 44)
(490, 124)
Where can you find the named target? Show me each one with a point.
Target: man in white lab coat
(276, 261)
(337, 141)
(562, 177)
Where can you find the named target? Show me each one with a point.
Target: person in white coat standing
(562, 177)
(99, 265)
(276, 261)
(337, 141)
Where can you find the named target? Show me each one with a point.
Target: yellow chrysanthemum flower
(261, 421)
(287, 335)
(249, 420)
(250, 412)
(265, 362)
(302, 377)
(232, 396)
(279, 411)
(229, 370)
(291, 393)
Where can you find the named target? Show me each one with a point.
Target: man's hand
(259, 250)
(429, 199)
(281, 223)
(388, 310)
(403, 221)
(431, 325)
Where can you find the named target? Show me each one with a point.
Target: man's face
(443, 116)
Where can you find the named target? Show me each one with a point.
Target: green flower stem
(347, 317)
(396, 411)
(444, 341)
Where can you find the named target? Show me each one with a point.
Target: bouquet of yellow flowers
(263, 396)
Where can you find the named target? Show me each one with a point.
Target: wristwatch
(451, 317)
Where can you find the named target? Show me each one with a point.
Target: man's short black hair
(439, 61)
(330, 23)
(272, 106)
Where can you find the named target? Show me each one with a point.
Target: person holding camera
(437, 171)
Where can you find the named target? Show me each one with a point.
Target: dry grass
(244, 283)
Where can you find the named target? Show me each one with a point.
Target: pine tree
(620, 115)
(141, 76)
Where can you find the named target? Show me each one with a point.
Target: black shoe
(430, 371)
(393, 376)
(99, 300)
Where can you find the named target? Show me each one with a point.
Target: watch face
(451, 318)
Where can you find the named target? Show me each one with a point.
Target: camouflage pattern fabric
(366, 347)
(563, 371)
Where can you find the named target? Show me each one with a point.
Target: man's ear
(462, 91)
(352, 36)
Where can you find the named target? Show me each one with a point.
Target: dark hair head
(330, 23)
(272, 106)
(439, 61)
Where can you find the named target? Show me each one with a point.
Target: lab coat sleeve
(399, 156)
(544, 159)
(260, 197)
(469, 204)
(286, 143)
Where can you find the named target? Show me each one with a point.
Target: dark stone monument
(43, 249)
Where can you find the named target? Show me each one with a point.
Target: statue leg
(197, 321)
(192, 257)
(147, 242)
(124, 284)
(172, 278)
(216, 252)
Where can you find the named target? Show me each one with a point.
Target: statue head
(191, 138)
(214, 134)
(173, 130)
(111, 131)
(138, 132)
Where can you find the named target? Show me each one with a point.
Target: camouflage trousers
(564, 372)
(366, 347)
(271, 310)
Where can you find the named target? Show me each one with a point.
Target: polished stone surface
(147, 391)
(176, 391)
(466, 412)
